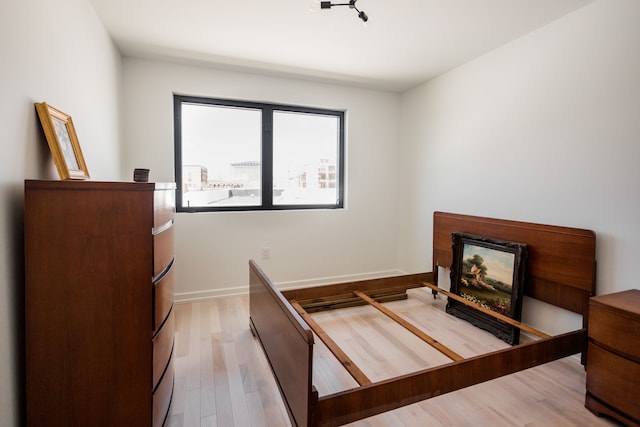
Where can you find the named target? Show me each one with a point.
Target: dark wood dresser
(99, 297)
(613, 356)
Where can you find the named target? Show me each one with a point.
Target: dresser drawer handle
(163, 273)
(167, 225)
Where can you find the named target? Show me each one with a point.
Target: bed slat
(491, 313)
(411, 328)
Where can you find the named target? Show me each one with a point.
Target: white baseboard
(209, 294)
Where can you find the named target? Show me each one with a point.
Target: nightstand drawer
(614, 322)
(610, 380)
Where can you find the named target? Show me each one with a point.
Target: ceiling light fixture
(351, 4)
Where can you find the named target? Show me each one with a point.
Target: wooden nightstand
(613, 356)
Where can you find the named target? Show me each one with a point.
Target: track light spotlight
(351, 4)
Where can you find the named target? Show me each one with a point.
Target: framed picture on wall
(489, 273)
(63, 142)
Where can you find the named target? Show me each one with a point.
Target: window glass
(305, 154)
(221, 152)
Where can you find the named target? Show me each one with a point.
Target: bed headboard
(561, 261)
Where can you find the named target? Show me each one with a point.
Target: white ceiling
(404, 43)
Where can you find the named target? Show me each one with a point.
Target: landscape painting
(487, 277)
(489, 273)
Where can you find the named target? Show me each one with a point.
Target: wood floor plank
(182, 326)
(222, 394)
(235, 386)
(175, 420)
(207, 407)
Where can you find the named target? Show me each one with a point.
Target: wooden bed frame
(560, 271)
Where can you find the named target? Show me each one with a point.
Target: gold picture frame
(63, 142)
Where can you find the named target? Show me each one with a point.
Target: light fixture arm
(351, 4)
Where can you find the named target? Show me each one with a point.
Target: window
(237, 155)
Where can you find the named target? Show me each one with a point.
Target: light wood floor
(223, 379)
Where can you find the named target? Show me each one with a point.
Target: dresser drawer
(162, 349)
(163, 250)
(610, 380)
(164, 202)
(163, 292)
(614, 322)
(162, 397)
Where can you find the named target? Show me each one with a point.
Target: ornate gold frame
(63, 142)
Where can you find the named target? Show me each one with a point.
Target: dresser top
(625, 301)
(97, 185)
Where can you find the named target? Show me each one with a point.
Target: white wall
(213, 249)
(545, 129)
(57, 52)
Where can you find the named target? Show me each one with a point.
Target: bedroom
(560, 104)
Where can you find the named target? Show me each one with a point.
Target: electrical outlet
(266, 253)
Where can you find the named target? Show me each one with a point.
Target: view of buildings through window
(229, 152)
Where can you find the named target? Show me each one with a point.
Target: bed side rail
(352, 405)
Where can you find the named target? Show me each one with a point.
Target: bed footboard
(288, 345)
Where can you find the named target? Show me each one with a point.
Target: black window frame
(266, 153)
